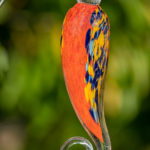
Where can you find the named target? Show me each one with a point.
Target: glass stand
(75, 141)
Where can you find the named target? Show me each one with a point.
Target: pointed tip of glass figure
(94, 2)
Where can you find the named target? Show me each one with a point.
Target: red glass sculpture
(85, 50)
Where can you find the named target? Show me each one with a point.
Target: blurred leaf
(4, 64)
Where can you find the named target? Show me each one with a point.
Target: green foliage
(33, 95)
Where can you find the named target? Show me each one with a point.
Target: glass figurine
(85, 51)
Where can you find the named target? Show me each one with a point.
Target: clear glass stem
(89, 1)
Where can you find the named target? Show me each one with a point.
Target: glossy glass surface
(84, 64)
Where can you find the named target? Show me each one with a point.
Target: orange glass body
(85, 51)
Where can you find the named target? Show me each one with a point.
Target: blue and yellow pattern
(97, 49)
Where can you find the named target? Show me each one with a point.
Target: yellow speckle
(89, 94)
(87, 90)
(95, 107)
(101, 40)
(91, 71)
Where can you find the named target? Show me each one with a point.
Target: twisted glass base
(77, 140)
(84, 142)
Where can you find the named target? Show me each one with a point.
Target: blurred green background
(35, 111)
